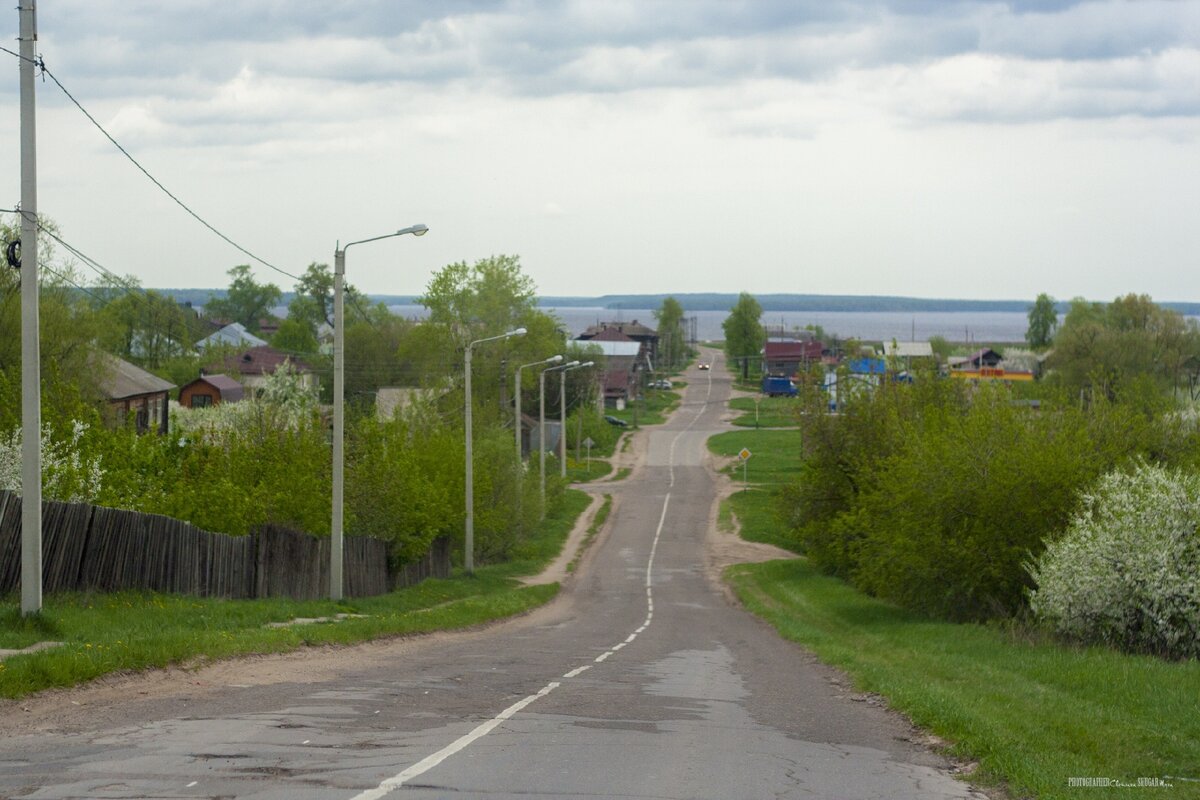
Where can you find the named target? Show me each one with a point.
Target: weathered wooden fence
(91, 548)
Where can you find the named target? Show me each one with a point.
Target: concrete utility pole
(339, 404)
(542, 425)
(31, 373)
(562, 415)
(469, 478)
(517, 406)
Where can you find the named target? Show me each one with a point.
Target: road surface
(642, 680)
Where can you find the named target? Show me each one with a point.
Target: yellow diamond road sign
(744, 454)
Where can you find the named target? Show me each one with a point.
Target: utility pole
(31, 373)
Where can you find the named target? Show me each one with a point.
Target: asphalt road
(643, 680)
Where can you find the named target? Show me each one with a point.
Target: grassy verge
(105, 633)
(758, 518)
(653, 409)
(594, 528)
(581, 471)
(774, 459)
(1033, 713)
(772, 412)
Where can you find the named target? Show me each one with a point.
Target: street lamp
(469, 544)
(562, 414)
(550, 360)
(542, 423)
(339, 422)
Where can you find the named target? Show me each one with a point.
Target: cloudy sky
(924, 148)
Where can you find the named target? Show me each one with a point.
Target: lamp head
(416, 230)
(553, 359)
(516, 332)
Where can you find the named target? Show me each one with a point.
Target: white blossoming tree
(1127, 572)
(66, 475)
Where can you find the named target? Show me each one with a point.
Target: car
(660, 384)
(611, 420)
(702, 365)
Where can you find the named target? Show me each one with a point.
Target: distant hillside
(724, 301)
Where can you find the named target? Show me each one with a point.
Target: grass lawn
(1032, 712)
(652, 409)
(774, 459)
(105, 633)
(773, 412)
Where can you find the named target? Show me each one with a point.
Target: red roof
(789, 351)
(611, 335)
(262, 360)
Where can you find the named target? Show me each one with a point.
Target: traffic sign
(744, 454)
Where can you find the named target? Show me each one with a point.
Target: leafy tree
(1043, 319)
(313, 303)
(1106, 350)
(142, 325)
(672, 340)
(294, 336)
(246, 300)
(486, 299)
(744, 335)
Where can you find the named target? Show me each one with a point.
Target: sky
(980, 150)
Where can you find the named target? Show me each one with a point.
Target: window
(201, 400)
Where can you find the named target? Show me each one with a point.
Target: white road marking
(190, 785)
(578, 671)
(429, 762)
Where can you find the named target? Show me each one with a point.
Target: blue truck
(778, 386)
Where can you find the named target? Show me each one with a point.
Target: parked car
(660, 384)
(702, 365)
(611, 420)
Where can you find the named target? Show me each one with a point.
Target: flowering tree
(66, 474)
(1127, 572)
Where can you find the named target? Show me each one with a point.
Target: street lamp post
(469, 543)
(562, 414)
(542, 424)
(339, 411)
(550, 360)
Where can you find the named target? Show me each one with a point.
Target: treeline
(1073, 503)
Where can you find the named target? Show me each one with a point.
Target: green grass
(773, 412)
(758, 518)
(653, 409)
(622, 473)
(580, 471)
(594, 528)
(774, 459)
(1032, 712)
(105, 633)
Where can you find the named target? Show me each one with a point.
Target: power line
(41, 64)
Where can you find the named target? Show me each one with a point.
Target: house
(624, 359)
(232, 335)
(135, 396)
(630, 330)
(254, 364)
(210, 390)
(790, 357)
(987, 357)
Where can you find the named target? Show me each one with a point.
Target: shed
(210, 390)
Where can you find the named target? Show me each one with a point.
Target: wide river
(903, 326)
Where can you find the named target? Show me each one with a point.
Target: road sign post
(744, 455)
(588, 444)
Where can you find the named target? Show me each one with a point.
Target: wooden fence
(91, 548)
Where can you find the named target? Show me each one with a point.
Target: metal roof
(119, 379)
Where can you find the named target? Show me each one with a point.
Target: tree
(671, 337)
(1043, 319)
(744, 335)
(313, 303)
(294, 336)
(142, 325)
(482, 300)
(246, 301)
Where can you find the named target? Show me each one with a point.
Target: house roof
(119, 379)
(788, 350)
(262, 360)
(611, 335)
(230, 390)
(232, 334)
(633, 329)
(908, 349)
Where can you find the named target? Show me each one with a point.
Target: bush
(934, 495)
(1127, 572)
